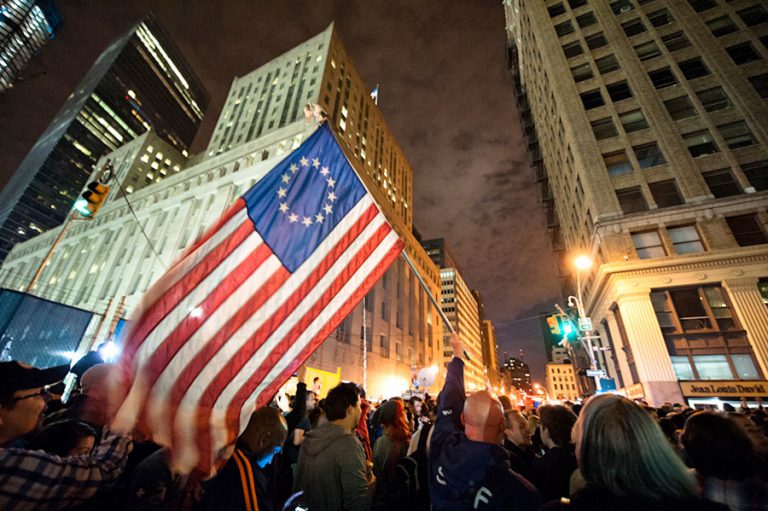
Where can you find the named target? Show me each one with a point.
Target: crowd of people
(344, 453)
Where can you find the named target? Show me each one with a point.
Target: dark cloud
(444, 90)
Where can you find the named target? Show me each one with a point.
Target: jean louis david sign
(724, 388)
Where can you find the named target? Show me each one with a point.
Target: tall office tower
(25, 27)
(461, 309)
(488, 342)
(649, 129)
(518, 374)
(141, 82)
(108, 261)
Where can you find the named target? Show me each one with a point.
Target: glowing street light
(582, 262)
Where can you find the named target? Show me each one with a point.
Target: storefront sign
(635, 391)
(724, 388)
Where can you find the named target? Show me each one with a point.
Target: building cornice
(739, 261)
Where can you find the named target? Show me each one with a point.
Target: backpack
(409, 489)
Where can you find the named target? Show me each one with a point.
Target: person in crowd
(36, 479)
(361, 430)
(517, 442)
(427, 420)
(468, 467)
(535, 431)
(332, 470)
(154, 487)
(415, 412)
(66, 438)
(758, 438)
(89, 405)
(317, 415)
(298, 425)
(243, 483)
(317, 386)
(724, 458)
(389, 449)
(552, 471)
(627, 463)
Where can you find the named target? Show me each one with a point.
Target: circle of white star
(313, 165)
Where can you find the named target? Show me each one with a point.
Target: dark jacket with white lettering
(467, 475)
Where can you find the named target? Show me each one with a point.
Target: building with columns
(647, 124)
(105, 265)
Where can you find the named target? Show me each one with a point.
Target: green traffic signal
(81, 205)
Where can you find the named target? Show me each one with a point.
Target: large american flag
(229, 323)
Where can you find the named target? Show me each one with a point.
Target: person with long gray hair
(627, 462)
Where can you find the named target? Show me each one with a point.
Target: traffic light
(92, 199)
(567, 328)
(554, 324)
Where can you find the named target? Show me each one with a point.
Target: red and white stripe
(228, 324)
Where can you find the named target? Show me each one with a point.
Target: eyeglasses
(45, 393)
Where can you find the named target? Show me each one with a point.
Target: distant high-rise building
(647, 124)
(461, 309)
(488, 338)
(25, 27)
(439, 252)
(518, 374)
(561, 382)
(141, 82)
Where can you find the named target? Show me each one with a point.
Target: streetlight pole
(582, 263)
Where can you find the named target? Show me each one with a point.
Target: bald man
(468, 467)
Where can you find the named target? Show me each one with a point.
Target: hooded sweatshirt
(469, 475)
(332, 471)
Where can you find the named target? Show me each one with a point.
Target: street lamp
(583, 263)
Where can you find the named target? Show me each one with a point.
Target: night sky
(444, 91)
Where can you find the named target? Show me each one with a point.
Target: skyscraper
(488, 342)
(140, 82)
(25, 27)
(102, 264)
(518, 374)
(648, 128)
(461, 309)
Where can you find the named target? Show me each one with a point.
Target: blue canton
(300, 201)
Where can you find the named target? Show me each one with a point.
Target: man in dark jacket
(468, 467)
(243, 484)
(517, 442)
(552, 471)
(332, 470)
